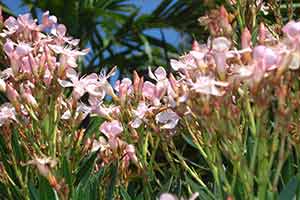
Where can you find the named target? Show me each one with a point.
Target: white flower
(169, 118)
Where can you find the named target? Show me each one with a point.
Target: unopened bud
(223, 12)
(30, 99)
(109, 90)
(224, 21)
(173, 83)
(246, 43)
(11, 93)
(141, 84)
(262, 33)
(195, 46)
(123, 93)
(246, 38)
(33, 64)
(136, 81)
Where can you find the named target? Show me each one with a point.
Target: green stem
(20, 177)
(195, 140)
(280, 162)
(253, 157)
(192, 173)
(254, 133)
(53, 126)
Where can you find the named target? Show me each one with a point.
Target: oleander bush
(223, 123)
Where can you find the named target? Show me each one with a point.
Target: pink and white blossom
(168, 118)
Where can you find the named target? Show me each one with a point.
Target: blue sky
(146, 6)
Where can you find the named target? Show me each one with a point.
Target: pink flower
(220, 48)
(27, 22)
(265, 58)
(69, 55)
(221, 44)
(130, 154)
(112, 130)
(159, 74)
(12, 26)
(167, 196)
(100, 144)
(104, 84)
(139, 115)
(98, 108)
(26, 94)
(43, 165)
(126, 82)
(156, 92)
(7, 112)
(23, 49)
(148, 90)
(185, 62)
(9, 47)
(47, 20)
(59, 31)
(292, 31)
(82, 111)
(169, 118)
(207, 85)
(124, 88)
(80, 85)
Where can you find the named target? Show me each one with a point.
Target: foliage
(117, 32)
(222, 125)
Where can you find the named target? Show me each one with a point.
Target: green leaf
(124, 194)
(289, 191)
(198, 188)
(46, 192)
(91, 189)
(16, 146)
(33, 193)
(93, 126)
(148, 49)
(67, 173)
(112, 185)
(85, 169)
(189, 140)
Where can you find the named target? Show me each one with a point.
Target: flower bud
(246, 43)
(224, 22)
(262, 33)
(109, 90)
(195, 46)
(141, 85)
(136, 81)
(173, 83)
(130, 150)
(246, 39)
(11, 93)
(123, 93)
(33, 64)
(30, 99)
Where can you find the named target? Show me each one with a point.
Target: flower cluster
(209, 79)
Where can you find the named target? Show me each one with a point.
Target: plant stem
(280, 162)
